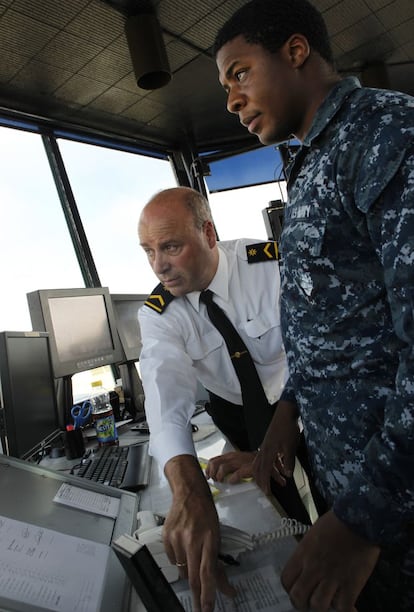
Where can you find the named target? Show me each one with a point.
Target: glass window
(110, 188)
(256, 167)
(238, 213)
(35, 247)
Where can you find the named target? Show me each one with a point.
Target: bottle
(103, 416)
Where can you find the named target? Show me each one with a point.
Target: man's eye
(172, 248)
(240, 74)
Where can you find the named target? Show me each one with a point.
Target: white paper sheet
(258, 589)
(98, 503)
(49, 569)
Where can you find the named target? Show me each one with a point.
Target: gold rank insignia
(159, 299)
(262, 251)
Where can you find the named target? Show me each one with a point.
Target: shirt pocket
(303, 256)
(212, 361)
(202, 347)
(264, 337)
(304, 238)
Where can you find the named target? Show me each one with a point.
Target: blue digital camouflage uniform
(347, 311)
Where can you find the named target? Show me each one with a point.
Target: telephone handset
(233, 541)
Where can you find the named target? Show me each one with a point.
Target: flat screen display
(81, 326)
(29, 411)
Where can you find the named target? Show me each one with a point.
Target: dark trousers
(230, 419)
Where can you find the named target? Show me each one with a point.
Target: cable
(290, 527)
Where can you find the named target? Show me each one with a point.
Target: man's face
(180, 254)
(263, 89)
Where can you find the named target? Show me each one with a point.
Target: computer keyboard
(123, 467)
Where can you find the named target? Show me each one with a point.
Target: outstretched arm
(191, 532)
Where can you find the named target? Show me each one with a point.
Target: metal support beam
(70, 210)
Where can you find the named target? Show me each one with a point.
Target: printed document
(98, 503)
(258, 589)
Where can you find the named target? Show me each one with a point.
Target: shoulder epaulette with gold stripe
(159, 299)
(262, 251)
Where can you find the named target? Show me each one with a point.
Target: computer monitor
(81, 326)
(28, 415)
(273, 219)
(82, 333)
(126, 306)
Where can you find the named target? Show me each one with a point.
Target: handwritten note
(50, 570)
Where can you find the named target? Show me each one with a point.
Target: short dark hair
(271, 22)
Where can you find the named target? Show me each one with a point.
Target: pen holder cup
(74, 444)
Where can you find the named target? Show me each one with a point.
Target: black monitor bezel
(40, 315)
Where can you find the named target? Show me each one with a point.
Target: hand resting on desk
(232, 467)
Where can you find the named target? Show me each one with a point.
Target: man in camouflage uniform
(347, 252)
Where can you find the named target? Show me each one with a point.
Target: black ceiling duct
(147, 50)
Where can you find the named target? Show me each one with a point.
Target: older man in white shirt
(181, 346)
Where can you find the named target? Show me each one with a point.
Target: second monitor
(126, 306)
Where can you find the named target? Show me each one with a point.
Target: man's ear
(296, 50)
(210, 233)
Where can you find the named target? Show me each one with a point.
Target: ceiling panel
(68, 62)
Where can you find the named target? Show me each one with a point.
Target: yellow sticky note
(214, 490)
(203, 463)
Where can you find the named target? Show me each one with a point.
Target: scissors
(81, 413)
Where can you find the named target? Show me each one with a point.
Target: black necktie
(257, 410)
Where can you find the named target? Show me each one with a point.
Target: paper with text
(258, 589)
(98, 503)
(50, 570)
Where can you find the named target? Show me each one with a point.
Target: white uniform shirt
(181, 345)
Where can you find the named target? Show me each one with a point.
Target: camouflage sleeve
(288, 394)
(379, 502)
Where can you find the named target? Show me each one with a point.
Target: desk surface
(243, 506)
